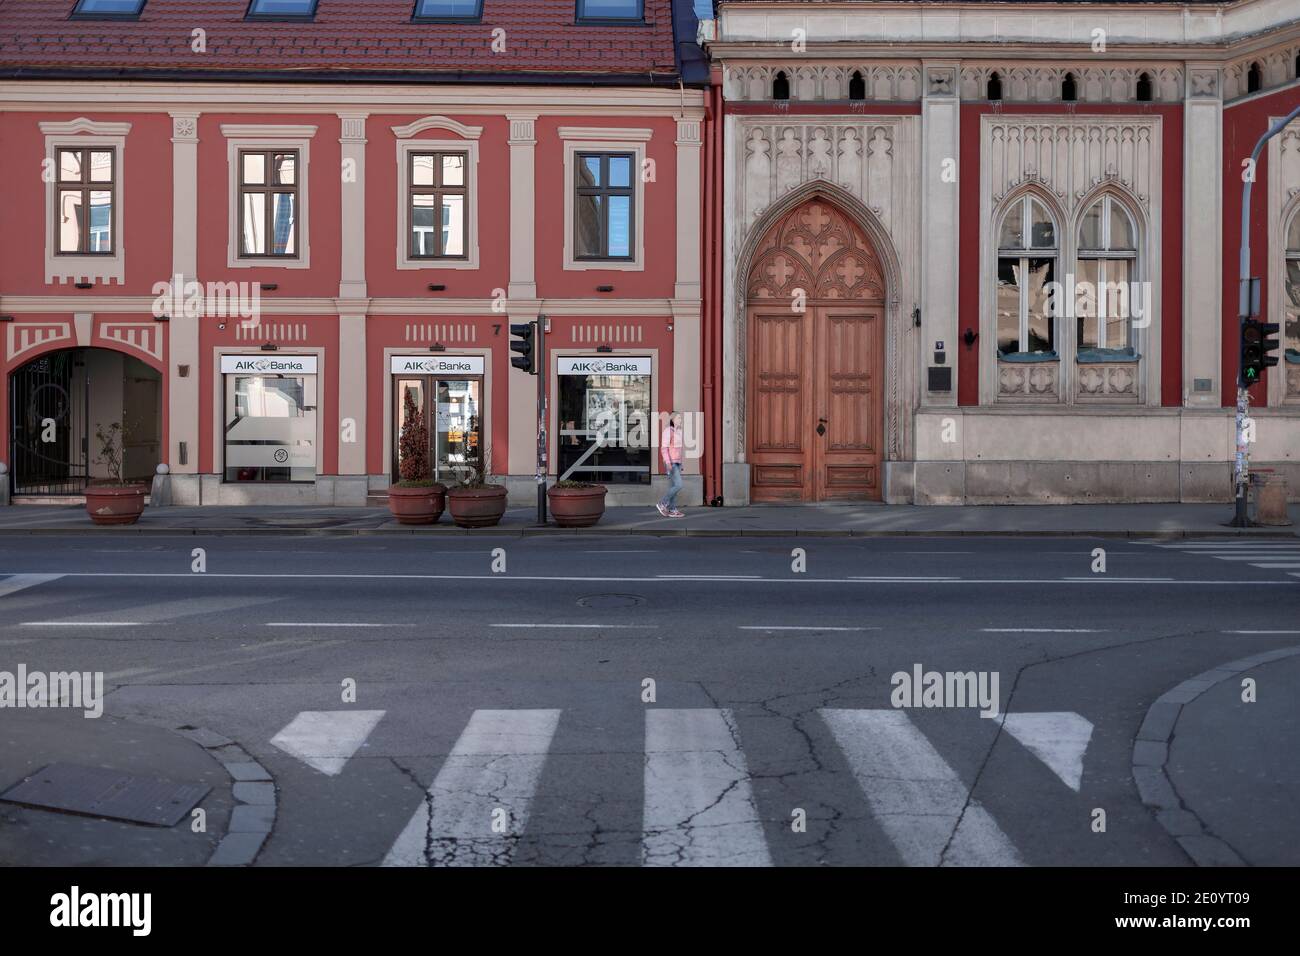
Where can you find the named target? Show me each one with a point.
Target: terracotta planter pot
(115, 504)
(477, 507)
(576, 507)
(417, 505)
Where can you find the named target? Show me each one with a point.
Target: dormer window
(108, 9)
(459, 10)
(281, 9)
(622, 11)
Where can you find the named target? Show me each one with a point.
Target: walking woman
(670, 450)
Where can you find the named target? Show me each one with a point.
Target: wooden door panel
(848, 364)
(780, 400)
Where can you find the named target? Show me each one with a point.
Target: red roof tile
(352, 36)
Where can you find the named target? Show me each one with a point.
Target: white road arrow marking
(326, 739)
(1059, 739)
(919, 801)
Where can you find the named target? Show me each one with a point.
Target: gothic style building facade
(988, 252)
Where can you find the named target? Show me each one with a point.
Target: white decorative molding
(884, 82)
(523, 129)
(688, 133)
(83, 125)
(185, 127)
(24, 337)
(1034, 383)
(610, 134)
(266, 131)
(353, 127)
(863, 165)
(1107, 383)
(1068, 162)
(1035, 83)
(404, 149)
(1277, 68)
(1283, 205)
(143, 337)
(437, 122)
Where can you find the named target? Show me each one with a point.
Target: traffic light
(1255, 348)
(525, 346)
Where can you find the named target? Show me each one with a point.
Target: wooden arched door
(815, 381)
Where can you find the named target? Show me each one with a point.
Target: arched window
(1106, 275)
(1254, 78)
(857, 87)
(1027, 250)
(780, 86)
(995, 86)
(1069, 91)
(1144, 88)
(1291, 301)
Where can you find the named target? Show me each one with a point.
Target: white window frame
(1027, 252)
(83, 133)
(255, 137)
(600, 139)
(1100, 256)
(404, 149)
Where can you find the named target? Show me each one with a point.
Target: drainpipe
(714, 255)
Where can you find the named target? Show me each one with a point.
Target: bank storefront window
(447, 393)
(606, 419)
(270, 417)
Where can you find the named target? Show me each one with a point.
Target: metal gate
(49, 401)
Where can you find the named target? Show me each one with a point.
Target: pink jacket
(670, 446)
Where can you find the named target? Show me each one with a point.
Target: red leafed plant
(413, 445)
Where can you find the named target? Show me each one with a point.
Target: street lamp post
(1241, 464)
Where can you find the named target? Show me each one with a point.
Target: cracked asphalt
(740, 653)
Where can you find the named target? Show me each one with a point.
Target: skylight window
(103, 9)
(621, 10)
(282, 9)
(448, 9)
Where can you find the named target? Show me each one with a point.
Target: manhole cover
(604, 601)
(107, 793)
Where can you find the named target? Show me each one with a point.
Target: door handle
(821, 426)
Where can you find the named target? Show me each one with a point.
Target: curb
(253, 817)
(1151, 755)
(534, 531)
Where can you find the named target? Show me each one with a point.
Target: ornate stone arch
(900, 397)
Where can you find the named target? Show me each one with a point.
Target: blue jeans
(669, 500)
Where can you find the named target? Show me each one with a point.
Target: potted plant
(576, 504)
(113, 500)
(416, 498)
(473, 502)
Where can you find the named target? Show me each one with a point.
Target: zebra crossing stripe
(699, 805)
(20, 582)
(916, 797)
(478, 805)
(327, 739)
(1059, 739)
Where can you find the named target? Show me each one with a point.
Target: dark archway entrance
(57, 401)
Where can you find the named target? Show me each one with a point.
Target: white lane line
(1256, 556)
(1259, 632)
(330, 624)
(495, 765)
(84, 624)
(595, 579)
(21, 582)
(710, 577)
(1043, 630)
(800, 627)
(638, 551)
(1283, 565)
(1059, 739)
(591, 626)
(881, 579)
(326, 739)
(699, 805)
(918, 800)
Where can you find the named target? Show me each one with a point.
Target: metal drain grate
(96, 792)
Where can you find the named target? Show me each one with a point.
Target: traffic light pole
(540, 357)
(1241, 464)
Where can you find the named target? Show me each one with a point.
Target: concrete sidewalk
(865, 520)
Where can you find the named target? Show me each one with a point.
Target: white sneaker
(662, 510)
(676, 514)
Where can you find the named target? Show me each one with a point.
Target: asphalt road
(695, 701)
